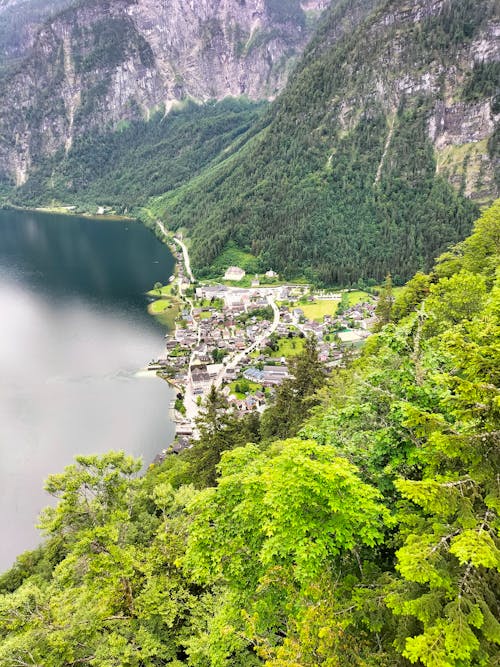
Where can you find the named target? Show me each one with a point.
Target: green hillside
(343, 183)
(140, 159)
(367, 536)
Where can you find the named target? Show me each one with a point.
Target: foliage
(368, 538)
(123, 167)
(385, 303)
(482, 81)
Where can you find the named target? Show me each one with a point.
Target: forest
(355, 523)
(340, 185)
(124, 167)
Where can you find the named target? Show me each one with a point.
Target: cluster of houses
(223, 335)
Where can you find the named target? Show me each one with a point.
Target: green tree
(411, 296)
(295, 397)
(219, 430)
(344, 303)
(385, 303)
(278, 522)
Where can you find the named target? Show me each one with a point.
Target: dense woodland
(140, 159)
(314, 193)
(355, 524)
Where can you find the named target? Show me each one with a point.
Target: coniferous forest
(334, 181)
(354, 524)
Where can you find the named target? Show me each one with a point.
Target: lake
(74, 334)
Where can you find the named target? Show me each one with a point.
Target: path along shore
(191, 400)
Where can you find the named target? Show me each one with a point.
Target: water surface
(74, 332)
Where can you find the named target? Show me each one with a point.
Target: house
(185, 429)
(271, 274)
(273, 375)
(349, 336)
(200, 378)
(234, 273)
(254, 375)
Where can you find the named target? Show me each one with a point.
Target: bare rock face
(104, 61)
(398, 65)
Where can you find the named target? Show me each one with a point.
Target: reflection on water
(74, 332)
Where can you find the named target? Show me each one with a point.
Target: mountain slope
(123, 168)
(351, 176)
(99, 62)
(370, 539)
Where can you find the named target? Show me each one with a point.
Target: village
(240, 339)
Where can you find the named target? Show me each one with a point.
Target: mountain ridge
(101, 62)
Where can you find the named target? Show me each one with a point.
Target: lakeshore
(102, 213)
(239, 339)
(73, 312)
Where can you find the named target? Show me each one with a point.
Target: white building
(234, 273)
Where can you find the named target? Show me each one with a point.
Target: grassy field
(289, 347)
(359, 297)
(166, 290)
(165, 311)
(252, 388)
(318, 309)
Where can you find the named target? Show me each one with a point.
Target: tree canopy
(366, 536)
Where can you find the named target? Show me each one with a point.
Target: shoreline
(74, 214)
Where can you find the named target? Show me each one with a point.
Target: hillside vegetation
(343, 183)
(367, 535)
(142, 158)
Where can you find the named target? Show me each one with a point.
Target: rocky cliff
(352, 176)
(100, 62)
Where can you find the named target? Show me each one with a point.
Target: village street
(229, 336)
(237, 358)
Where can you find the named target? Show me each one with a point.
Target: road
(236, 359)
(190, 399)
(182, 245)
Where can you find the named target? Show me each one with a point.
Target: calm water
(74, 331)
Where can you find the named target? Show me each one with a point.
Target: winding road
(182, 245)
(190, 399)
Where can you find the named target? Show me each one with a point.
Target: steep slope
(19, 20)
(370, 539)
(103, 61)
(122, 169)
(351, 177)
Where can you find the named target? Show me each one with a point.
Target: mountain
(372, 159)
(19, 21)
(99, 62)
